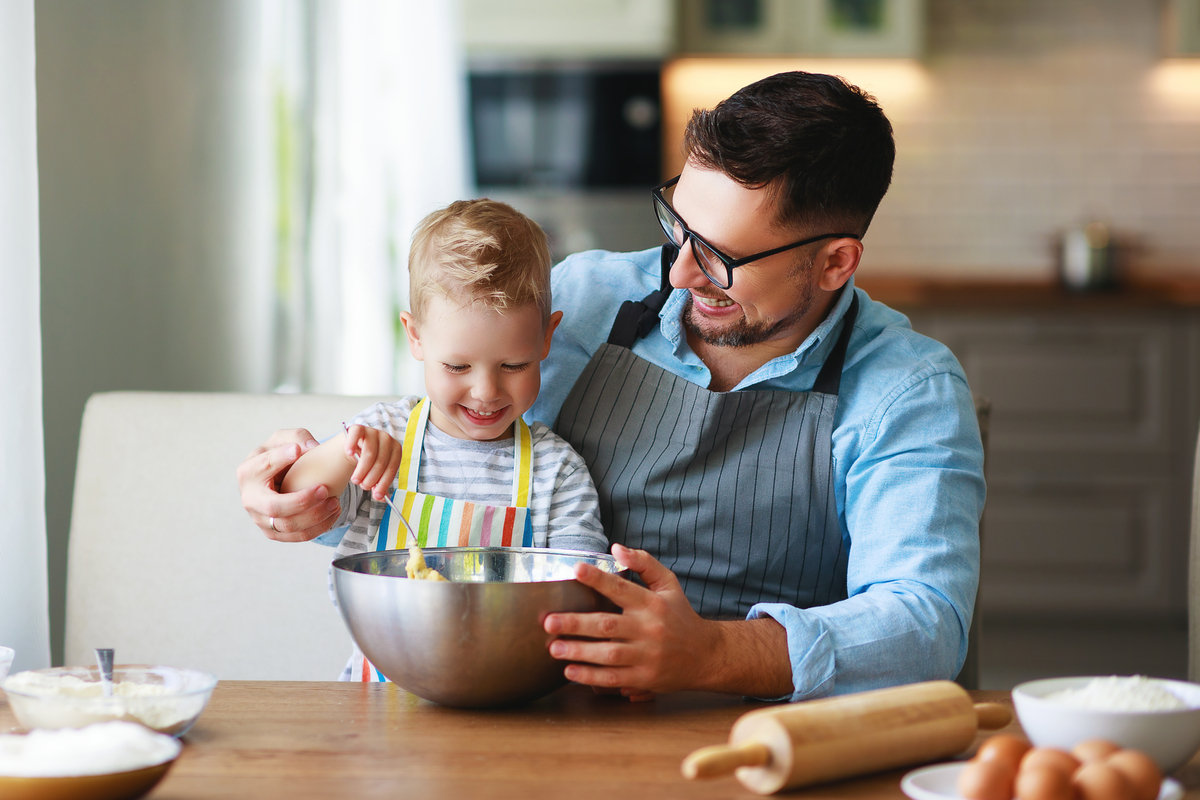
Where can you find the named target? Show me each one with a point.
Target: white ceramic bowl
(1168, 737)
(164, 699)
(6, 659)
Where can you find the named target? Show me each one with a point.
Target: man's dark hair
(822, 146)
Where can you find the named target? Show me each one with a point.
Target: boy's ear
(414, 336)
(555, 318)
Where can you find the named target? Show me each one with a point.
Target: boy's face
(482, 367)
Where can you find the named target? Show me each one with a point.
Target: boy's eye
(516, 367)
(455, 368)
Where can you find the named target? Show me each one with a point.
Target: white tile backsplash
(1040, 116)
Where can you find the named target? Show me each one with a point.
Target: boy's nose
(485, 385)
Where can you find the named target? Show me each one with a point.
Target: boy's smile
(482, 366)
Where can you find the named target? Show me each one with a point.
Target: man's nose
(685, 272)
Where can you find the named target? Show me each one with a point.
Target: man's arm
(914, 501)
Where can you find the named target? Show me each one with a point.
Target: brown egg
(1140, 770)
(1094, 750)
(1099, 780)
(986, 780)
(1050, 756)
(1044, 782)
(1005, 748)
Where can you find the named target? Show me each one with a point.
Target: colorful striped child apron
(448, 522)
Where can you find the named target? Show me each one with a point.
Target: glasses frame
(728, 261)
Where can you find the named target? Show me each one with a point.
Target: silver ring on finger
(271, 520)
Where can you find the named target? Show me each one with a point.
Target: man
(795, 475)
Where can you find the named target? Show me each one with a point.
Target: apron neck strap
(636, 318)
(830, 377)
(414, 437)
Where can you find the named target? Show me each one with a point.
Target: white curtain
(24, 620)
(375, 117)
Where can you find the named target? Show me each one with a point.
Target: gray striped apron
(732, 491)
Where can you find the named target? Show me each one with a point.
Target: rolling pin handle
(723, 759)
(992, 715)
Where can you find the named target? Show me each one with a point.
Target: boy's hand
(378, 457)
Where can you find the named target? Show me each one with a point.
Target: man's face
(771, 300)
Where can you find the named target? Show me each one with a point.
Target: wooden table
(298, 740)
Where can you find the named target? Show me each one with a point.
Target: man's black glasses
(717, 266)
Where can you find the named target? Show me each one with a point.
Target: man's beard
(742, 333)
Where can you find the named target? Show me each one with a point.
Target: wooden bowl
(110, 786)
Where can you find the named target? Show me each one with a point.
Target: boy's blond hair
(480, 251)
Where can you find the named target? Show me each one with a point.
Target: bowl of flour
(164, 699)
(105, 761)
(1160, 717)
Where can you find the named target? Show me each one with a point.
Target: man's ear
(555, 318)
(413, 334)
(841, 262)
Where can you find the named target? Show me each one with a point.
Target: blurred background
(227, 188)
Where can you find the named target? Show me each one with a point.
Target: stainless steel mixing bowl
(476, 641)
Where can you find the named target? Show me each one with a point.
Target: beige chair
(1194, 575)
(163, 563)
(968, 677)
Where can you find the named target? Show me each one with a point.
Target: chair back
(1194, 574)
(164, 565)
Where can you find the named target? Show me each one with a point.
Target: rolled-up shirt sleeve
(910, 496)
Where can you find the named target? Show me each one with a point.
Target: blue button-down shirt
(908, 472)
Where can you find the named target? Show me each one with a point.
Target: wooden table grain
(296, 740)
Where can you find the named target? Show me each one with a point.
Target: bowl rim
(342, 563)
(174, 742)
(207, 680)
(158, 765)
(1033, 692)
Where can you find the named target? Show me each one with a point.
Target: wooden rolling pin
(823, 740)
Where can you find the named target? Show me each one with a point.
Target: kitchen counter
(905, 292)
(299, 740)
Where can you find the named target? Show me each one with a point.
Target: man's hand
(659, 644)
(294, 517)
(647, 649)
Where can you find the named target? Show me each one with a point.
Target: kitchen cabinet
(849, 28)
(1094, 417)
(570, 29)
(1182, 27)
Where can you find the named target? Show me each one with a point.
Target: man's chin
(737, 334)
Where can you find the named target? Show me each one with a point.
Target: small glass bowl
(164, 699)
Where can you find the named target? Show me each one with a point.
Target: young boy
(465, 468)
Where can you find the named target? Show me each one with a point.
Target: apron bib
(447, 522)
(732, 491)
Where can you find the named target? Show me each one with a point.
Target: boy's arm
(366, 456)
(327, 464)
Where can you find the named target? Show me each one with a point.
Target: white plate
(939, 783)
